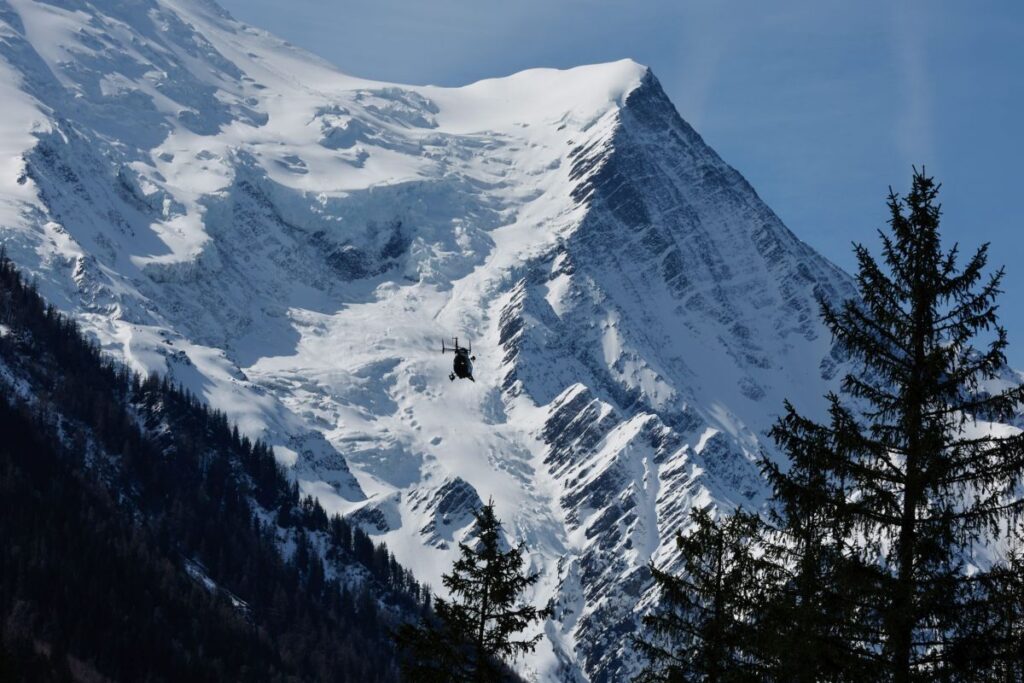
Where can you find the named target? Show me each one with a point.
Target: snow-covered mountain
(293, 243)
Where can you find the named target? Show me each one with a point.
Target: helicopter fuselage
(462, 366)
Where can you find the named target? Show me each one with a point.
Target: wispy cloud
(705, 35)
(913, 127)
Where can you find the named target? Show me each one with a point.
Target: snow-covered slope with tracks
(293, 243)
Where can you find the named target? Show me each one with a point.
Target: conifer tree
(1005, 590)
(812, 627)
(473, 634)
(703, 629)
(990, 643)
(904, 474)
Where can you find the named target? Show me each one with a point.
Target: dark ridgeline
(863, 560)
(139, 533)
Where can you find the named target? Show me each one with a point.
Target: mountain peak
(539, 96)
(292, 244)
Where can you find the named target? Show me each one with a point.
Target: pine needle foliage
(907, 477)
(990, 638)
(813, 627)
(704, 627)
(472, 635)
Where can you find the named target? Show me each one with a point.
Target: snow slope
(293, 243)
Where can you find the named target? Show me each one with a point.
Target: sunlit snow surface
(292, 244)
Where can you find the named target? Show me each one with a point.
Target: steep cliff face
(663, 337)
(292, 244)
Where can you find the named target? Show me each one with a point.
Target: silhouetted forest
(142, 535)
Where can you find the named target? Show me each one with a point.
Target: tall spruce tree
(471, 636)
(703, 628)
(903, 469)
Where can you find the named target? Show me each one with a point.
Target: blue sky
(821, 104)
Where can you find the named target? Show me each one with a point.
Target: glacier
(292, 244)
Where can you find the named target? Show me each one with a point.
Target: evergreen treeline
(141, 534)
(863, 569)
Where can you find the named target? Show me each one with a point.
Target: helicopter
(462, 366)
